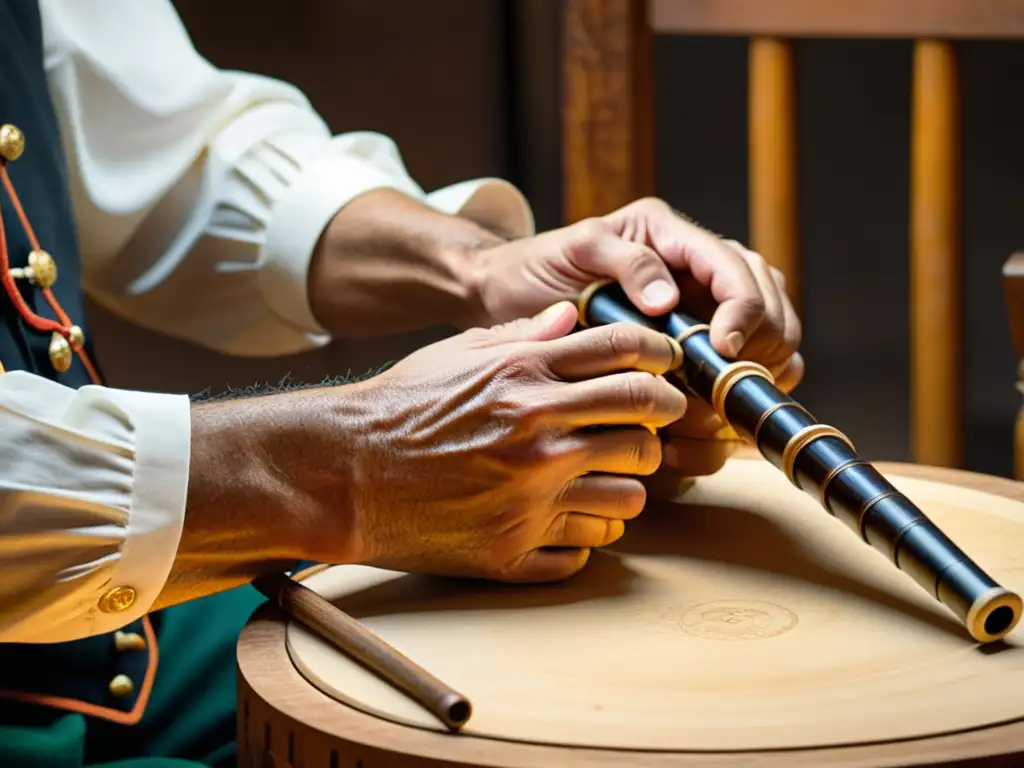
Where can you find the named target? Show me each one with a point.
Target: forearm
(389, 264)
(253, 505)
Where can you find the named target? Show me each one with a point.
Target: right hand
(478, 455)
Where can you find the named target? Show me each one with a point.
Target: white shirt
(187, 181)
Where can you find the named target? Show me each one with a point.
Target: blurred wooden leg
(608, 124)
(774, 225)
(1013, 293)
(1018, 439)
(935, 259)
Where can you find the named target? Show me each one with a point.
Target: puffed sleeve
(201, 193)
(92, 503)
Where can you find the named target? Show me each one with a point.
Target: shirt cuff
(299, 219)
(94, 490)
(163, 425)
(494, 204)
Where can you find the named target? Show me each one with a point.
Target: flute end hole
(999, 620)
(459, 711)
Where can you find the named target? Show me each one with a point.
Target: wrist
(474, 260)
(252, 501)
(390, 264)
(318, 441)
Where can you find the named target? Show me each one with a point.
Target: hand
(477, 455)
(662, 260)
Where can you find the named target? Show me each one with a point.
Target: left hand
(661, 259)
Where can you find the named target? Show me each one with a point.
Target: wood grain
(937, 391)
(281, 712)
(607, 115)
(831, 18)
(774, 199)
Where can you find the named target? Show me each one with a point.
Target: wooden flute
(356, 641)
(822, 462)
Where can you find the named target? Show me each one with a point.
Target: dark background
(471, 87)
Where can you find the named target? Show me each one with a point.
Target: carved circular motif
(738, 620)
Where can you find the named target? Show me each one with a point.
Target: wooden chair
(608, 140)
(1013, 287)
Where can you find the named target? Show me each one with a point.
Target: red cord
(37, 322)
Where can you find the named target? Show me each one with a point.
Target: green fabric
(190, 719)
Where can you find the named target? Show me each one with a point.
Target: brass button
(12, 143)
(129, 641)
(118, 599)
(60, 352)
(43, 269)
(76, 337)
(121, 686)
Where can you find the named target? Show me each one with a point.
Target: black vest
(41, 682)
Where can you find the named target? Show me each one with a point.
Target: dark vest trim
(134, 705)
(76, 676)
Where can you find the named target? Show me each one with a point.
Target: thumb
(553, 323)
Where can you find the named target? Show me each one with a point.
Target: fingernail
(734, 343)
(658, 293)
(552, 312)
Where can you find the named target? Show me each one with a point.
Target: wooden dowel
(774, 214)
(935, 258)
(862, 19)
(348, 635)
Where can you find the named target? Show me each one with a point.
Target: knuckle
(625, 343)
(792, 336)
(653, 204)
(641, 392)
(530, 412)
(789, 339)
(640, 258)
(547, 452)
(647, 453)
(753, 306)
(518, 365)
(753, 258)
(778, 276)
(513, 396)
(592, 229)
(632, 500)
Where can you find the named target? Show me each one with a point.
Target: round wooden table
(740, 625)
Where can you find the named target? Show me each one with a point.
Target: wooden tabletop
(281, 708)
